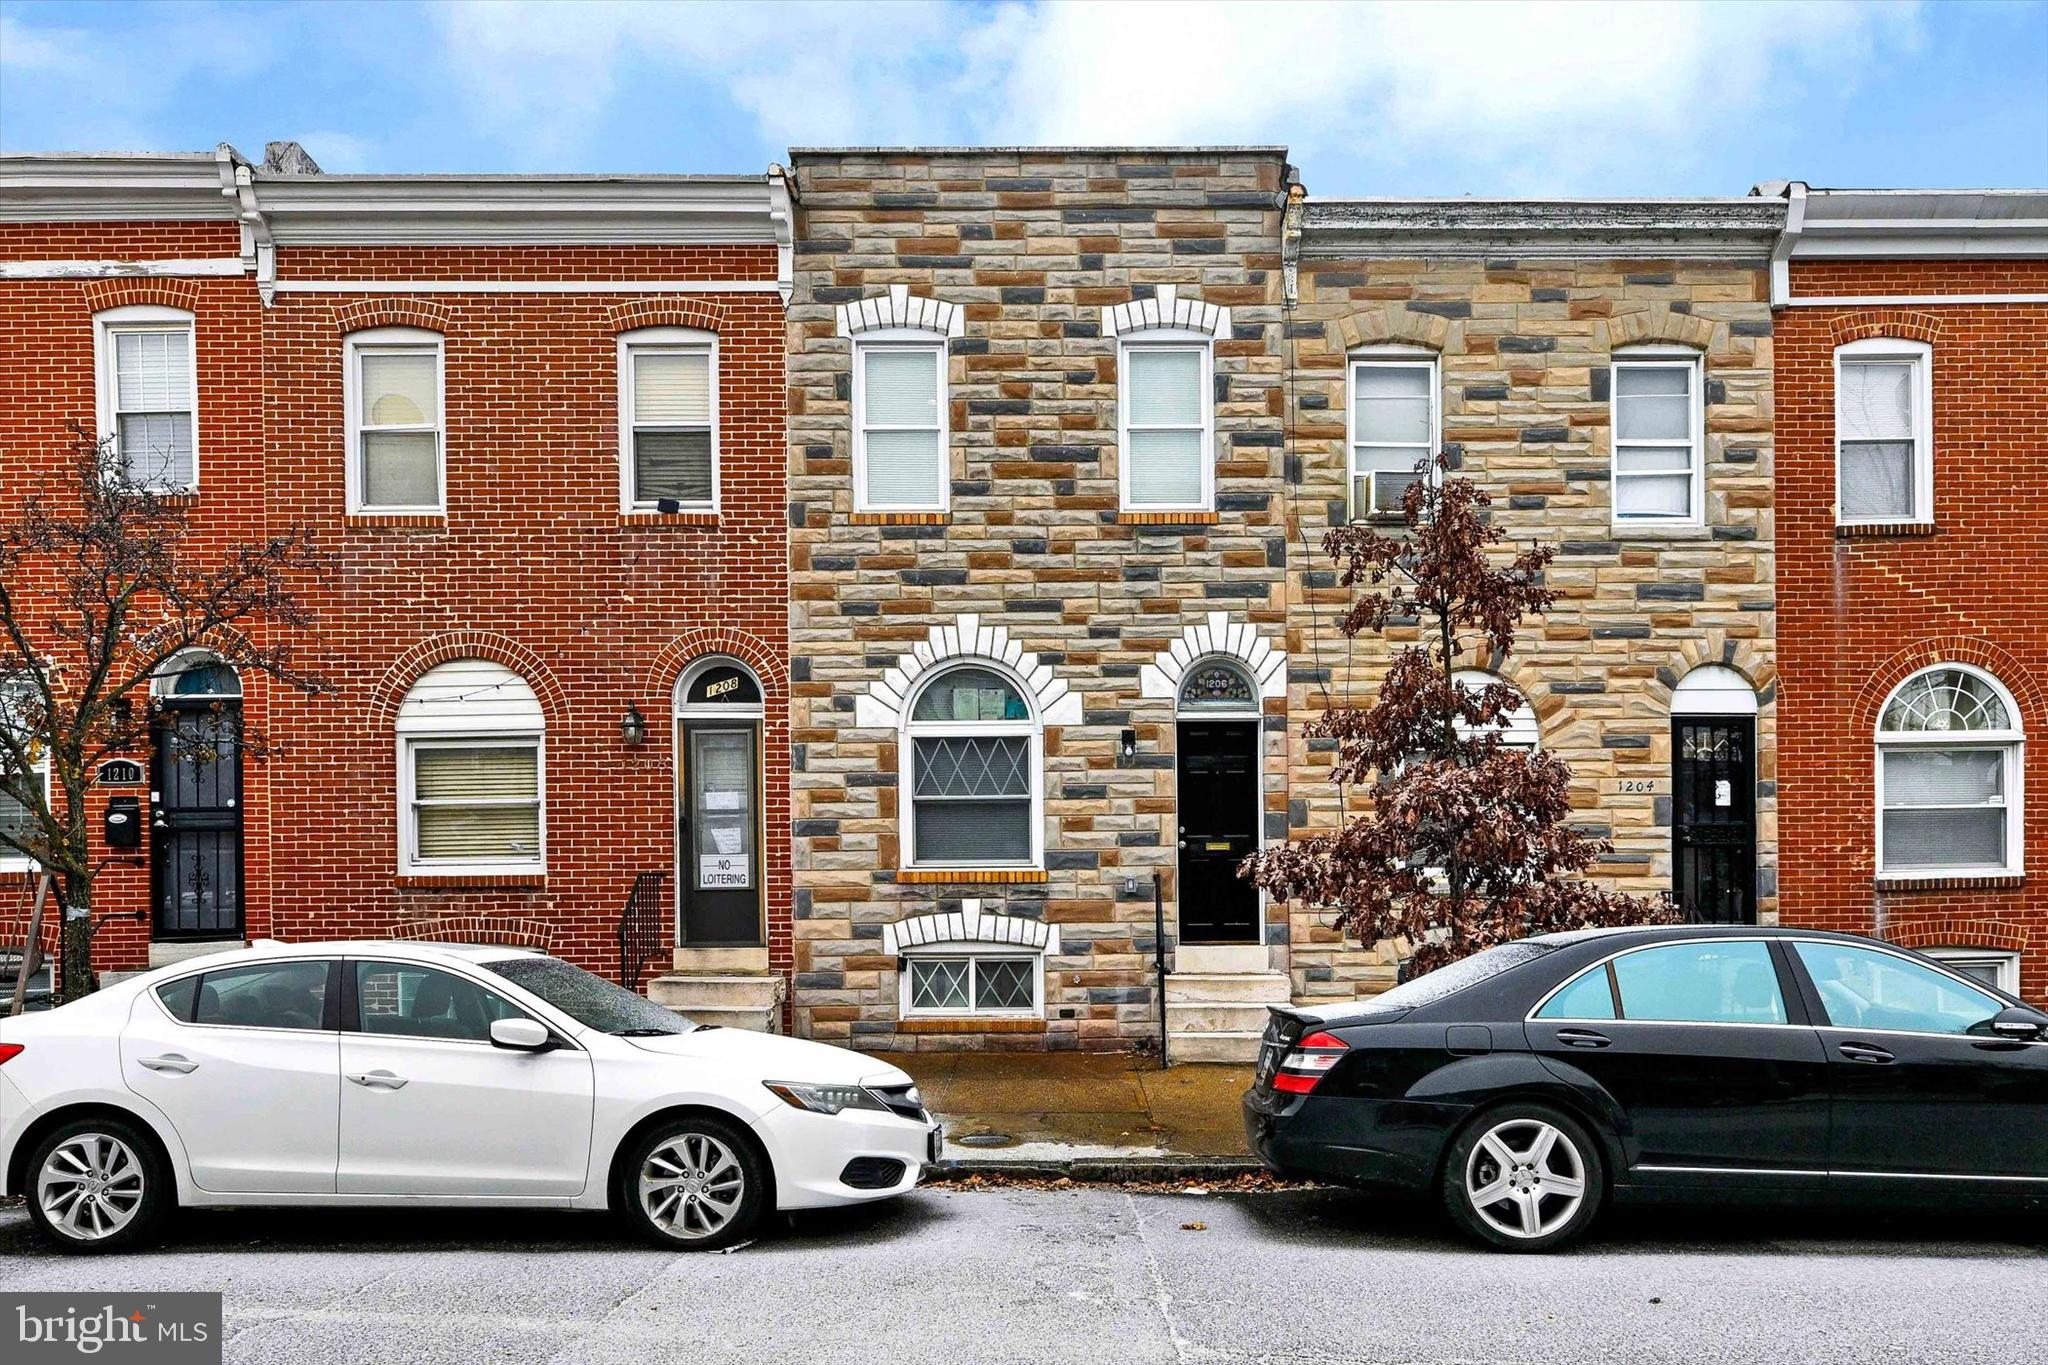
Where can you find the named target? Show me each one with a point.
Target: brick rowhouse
(1894, 599)
(549, 602)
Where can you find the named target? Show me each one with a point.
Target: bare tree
(100, 589)
(1467, 841)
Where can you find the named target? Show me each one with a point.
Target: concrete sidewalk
(1083, 1115)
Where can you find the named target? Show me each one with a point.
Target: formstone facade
(1033, 268)
(1522, 309)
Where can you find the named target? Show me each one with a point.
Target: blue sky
(1390, 99)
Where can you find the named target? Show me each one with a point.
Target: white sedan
(431, 1074)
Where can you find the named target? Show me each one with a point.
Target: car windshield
(589, 999)
(1458, 976)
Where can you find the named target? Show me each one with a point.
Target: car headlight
(824, 1099)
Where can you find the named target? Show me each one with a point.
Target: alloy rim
(691, 1186)
(90, 1187)
(1525, 1178)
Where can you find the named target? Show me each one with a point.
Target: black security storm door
(1713, 818)
(196, 825)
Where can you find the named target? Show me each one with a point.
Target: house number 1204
(1633, 785)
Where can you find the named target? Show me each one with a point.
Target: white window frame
(1388, 357)
(2010, 742)
(393, 339)
(409, 861)
(1519, 727)
(1659, 358)
(2004, 962)
(1920, 356)
(10, 859)
(1166, 339)
(970, 953)
(664, 341)
(142, 317)
(901, 339)
(1031, 730)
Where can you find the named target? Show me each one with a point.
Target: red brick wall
(533, 566)
(1857, 615)
(47, 384)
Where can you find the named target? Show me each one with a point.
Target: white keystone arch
(1166, 309)
(1218, 635)
(968, 925)
(897, 311)
(1053, 702)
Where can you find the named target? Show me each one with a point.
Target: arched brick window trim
(1961, 931)
(1391, 324)
(680, 652)
(1951, 649)
(1660, 324)
(101, 295)
(389, 692)
(354, 317)
(699, 313)
(1524, 677)
(1862, 324)
(503, 931)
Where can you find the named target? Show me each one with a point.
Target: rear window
(1461, 975)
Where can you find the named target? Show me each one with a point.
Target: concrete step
(1237, 1048)
(1215, 1016)
(721, 961)
(758, 1021)
(171, 954)
(1265, 988)
(721, 991)
(111, 978)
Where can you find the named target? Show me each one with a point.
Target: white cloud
(1535, 96)
(339, 153)
(26, 47)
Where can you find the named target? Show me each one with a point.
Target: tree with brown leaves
(100, 590)
(1466, 842)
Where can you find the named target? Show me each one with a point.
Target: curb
(1099, 1170)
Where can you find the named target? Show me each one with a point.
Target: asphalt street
(1088, 1274)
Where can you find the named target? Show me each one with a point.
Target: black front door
(1713, 818)
(196, 823)
(1219, 813)
(719, 833)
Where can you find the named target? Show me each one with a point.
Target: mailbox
(124, 822)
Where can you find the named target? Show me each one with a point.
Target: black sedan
(1526, 1085)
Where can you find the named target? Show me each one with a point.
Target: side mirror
(521, 1035)
(2019, 1023)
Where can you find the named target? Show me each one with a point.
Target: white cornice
(1923, 224)
(109, 186)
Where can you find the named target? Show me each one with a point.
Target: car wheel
(97, 1185)
(693, 1184)
(1523, 1177)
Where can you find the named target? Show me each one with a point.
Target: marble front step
(169, 954)
(1262, 988)
(730, 1000)
(1239, 1049)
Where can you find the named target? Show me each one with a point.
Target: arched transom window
(973, 751)
(1948, 776)
(1217, 685)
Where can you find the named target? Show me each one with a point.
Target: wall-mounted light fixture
(632, 725)
(1127, 744)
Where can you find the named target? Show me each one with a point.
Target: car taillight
(9, 1051)
(1308, 1062)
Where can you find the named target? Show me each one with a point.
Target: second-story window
(394, 393)
(668, 411)
(1658, 437)
(1166, 418)
(1393, 428)
(899, 440)
(149, 395)
(1884, 441)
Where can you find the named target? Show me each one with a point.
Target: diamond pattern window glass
(939, 983)
(973, 985)
(973, 750)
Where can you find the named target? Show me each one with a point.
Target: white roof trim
(969, 927)
(1161, 679)
(1164, 310)
(898, 311)
(881, 706)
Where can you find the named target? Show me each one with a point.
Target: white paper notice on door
(1724, 792)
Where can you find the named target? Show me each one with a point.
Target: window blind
(153, 406)
(1163, 419)
(903, 465)
(477, 804)
(1875, 415)
(1653, 453)
(1944, 808)
(671, 388)
(1391, 433)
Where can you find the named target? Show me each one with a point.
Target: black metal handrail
(640, 927)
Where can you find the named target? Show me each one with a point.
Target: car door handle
(1864, 1052)
(1582, 1037)
(378, 1080)
(170, 1061)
